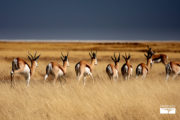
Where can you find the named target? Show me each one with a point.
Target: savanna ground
(135, 99)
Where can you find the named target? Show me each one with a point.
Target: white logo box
(167, 110)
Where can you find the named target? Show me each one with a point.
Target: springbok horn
(30, 55)
(90, 54)
(114, 56)
(119, 57)
(145, 55)
(62, 54)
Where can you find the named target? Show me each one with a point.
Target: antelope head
(150, 51)
(93, 56)
(65, 58)
(126, 58)
(149, 58)
(34, 58)
(116, 59)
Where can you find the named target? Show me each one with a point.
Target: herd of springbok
(84, 68)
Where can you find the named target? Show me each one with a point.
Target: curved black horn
(30, 55)
(90, 54)
(119, 57)
(145, 55)
(114, 56)
(62, 54)
(129, 56)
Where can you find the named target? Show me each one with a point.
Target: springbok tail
(48, 70)
(139, 70)
(109, 71)
(77, 69)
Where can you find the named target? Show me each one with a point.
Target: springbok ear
(129, 57)
(37, 57)
(29, 58)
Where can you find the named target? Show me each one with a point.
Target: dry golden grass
(135, 99)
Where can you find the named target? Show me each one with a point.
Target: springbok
(84, 69)
(157, 58)
(172, 68)
(126, 69)
(56, 69)
(19, 66)
(142, 69)
(113, 70)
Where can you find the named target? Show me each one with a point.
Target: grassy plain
(135, 99)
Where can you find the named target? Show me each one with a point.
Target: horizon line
(92, 41)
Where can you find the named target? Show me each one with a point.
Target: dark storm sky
(90, 19)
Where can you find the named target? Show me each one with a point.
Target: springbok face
(33, 59)
(126, 58)
(65, 59)
(93, 56)
(116, 60)
(150, 51)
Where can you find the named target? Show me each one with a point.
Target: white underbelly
(157, 60)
